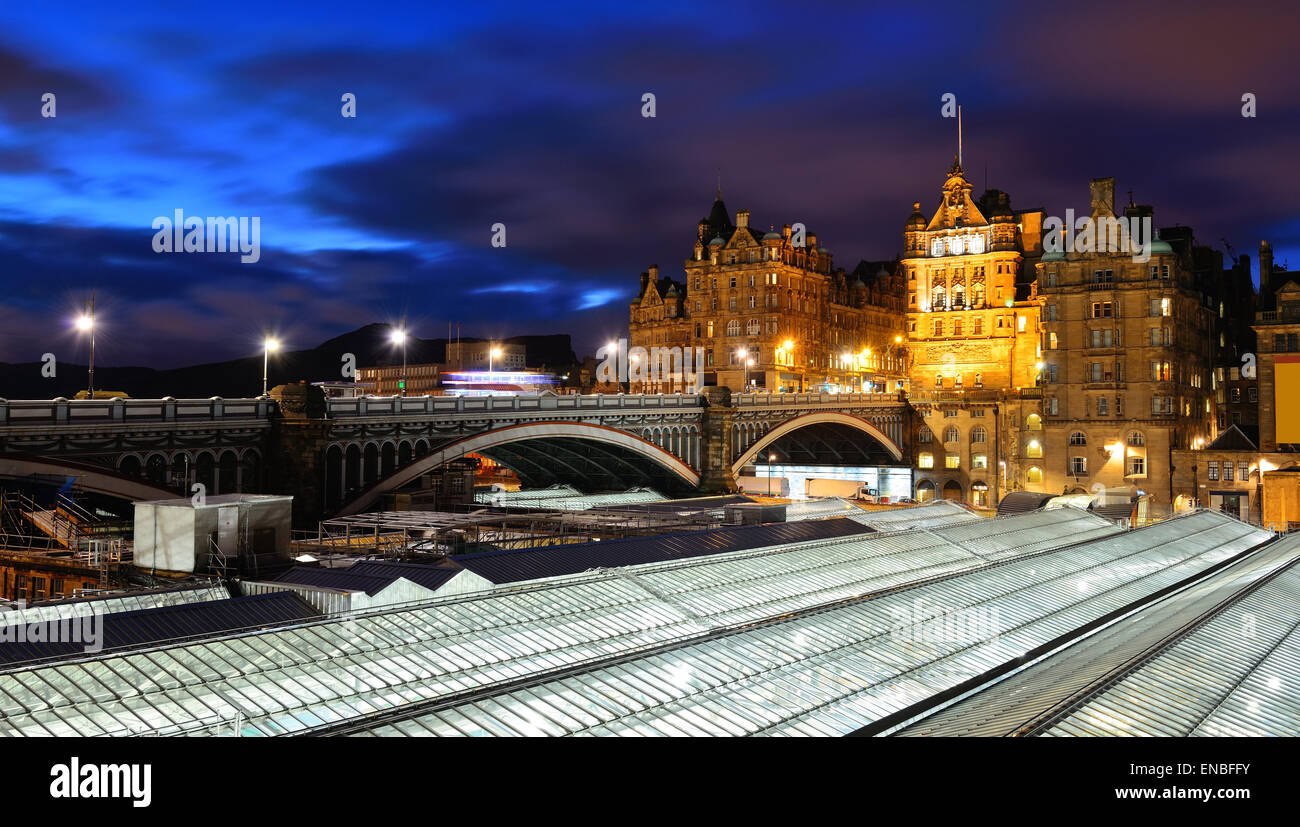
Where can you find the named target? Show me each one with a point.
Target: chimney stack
(742, 219)
(1265, 274)
(645, 281)
(1103, 196)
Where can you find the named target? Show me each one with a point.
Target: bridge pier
(715, 443)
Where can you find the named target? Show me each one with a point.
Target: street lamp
(749, 363)
(493, 355)
(771, 458)
(86, 323)
(267, 346)
(741, 354)
(399, 338)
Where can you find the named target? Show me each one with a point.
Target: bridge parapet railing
(21, 412)
(502, 403)
(765, 400)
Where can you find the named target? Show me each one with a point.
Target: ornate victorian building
(973, 340)
(772, 312)
(1055, 369)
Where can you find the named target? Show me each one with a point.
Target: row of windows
(951, 435)
(1242, 471)
(952, 461)
(1160, 272)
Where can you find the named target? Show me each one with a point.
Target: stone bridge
(342, 455)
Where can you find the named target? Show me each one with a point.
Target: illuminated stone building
(1128, 353)
(972, 338)
(771, 308)
(1251, 470)
(1028, 365)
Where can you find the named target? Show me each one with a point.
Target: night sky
(529, 114)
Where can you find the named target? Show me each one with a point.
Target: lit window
(925, 461)
(979, 461)
(952, 461)
(1034, 449)
(1034, 474)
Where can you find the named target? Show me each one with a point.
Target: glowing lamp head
(742, 353)
(789, 344)
(270, 345)
(496, 353)
(898, 340)
(85, 322)
(398, 336)
(1038, 366)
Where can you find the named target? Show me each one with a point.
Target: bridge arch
(86, 477)
(534, 431)
(820, 417)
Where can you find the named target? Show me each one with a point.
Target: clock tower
(969, 271)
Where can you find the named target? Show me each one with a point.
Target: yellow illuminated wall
(1286, 387)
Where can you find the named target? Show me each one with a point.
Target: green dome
(717, 242)
(1054, 256)
(771, 235)
(1158, 247)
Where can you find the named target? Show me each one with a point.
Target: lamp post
(771, 458)
(399, 338)
(749, 363)
(743, 354)
(492, 356)
(87, 323)
(267, 346)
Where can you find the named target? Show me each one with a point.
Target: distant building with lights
(478, 356)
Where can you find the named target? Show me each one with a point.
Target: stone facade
(770, 308)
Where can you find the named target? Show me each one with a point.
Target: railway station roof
(809, 637)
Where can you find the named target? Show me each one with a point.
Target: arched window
(1136, 438)
(733, 327)
(1034, 449)
(1034, 422)
(938, 298)
(979, 494)
(978, 434)
(950, 434)
(1034, 474)
(925, 435)
(924, 491)
(753, 327)
(1078, 438)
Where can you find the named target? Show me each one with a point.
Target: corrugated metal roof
(1236, 674)
(838, 668)
(812, 637)
(943, 512)
(127, 630)
(1028, 700)
(430, 576)
(112, 603)
(339, 579)
(553, 561)
(1018, 502)
(689, 505)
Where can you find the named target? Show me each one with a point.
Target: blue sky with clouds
(825, 112)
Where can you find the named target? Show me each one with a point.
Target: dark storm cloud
(825, 113)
